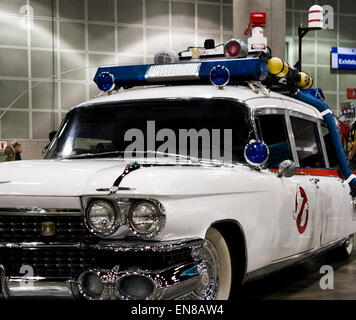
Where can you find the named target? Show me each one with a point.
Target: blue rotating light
(220, 76)
(256, 153)
(105, 81)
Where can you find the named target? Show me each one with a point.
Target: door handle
(314, 180)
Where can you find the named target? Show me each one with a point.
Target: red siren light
(233, 49)
(258, 18)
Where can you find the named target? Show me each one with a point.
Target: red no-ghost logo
(301, 210)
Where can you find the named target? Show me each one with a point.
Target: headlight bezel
(161, 222)
(115, 226)
(123, 207)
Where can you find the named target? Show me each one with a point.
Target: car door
(313, 165)
(296, 229)
(334, 197)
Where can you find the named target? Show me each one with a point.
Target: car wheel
(215, 267)
(345, 251)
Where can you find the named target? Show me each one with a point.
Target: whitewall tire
(224, 260)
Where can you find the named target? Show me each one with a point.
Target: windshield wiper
(93, 155)
(159, 153)
(123, 153)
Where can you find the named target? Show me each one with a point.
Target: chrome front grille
(72, 249)
(26, 227)
(58, 262)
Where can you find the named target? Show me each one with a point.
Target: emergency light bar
(247, 69)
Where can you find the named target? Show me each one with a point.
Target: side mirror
(287, 169)
(256, 153)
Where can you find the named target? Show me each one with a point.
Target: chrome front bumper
(177, 281)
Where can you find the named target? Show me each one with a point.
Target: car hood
(94, 176)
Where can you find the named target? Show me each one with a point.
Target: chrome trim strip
(291, 139)
(297, 114)
(36, 211)
(268, 111)
(157, 246)
(3, 288)
(117, 246)
(40, 245)
(38, 288)
(182, 288)
(119, 189)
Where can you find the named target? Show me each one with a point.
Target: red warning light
(233, 49)
(258, 17)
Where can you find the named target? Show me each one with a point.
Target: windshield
(213, 129)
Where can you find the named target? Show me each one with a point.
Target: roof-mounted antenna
(315, 22)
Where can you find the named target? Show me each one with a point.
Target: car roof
(242, 93)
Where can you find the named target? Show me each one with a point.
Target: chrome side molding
(36, 211)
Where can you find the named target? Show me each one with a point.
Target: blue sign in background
(343, 58)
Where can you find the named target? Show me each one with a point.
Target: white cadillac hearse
(118, 210)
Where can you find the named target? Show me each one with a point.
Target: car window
(307, 143)
(272, 129)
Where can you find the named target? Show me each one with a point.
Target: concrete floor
(302, 282)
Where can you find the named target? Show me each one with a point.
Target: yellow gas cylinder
(278, 67)
(306, 81)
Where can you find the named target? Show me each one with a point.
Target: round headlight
(147, 218)
(101, 216)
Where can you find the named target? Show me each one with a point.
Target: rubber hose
(335, 136)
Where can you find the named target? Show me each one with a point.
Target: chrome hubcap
(209, 269)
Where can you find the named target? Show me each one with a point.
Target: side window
(329, 146)
(307, 143)
(272, 129)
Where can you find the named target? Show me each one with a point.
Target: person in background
(18, 149)
(351, 156)
(50, 137)
(344, 135)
